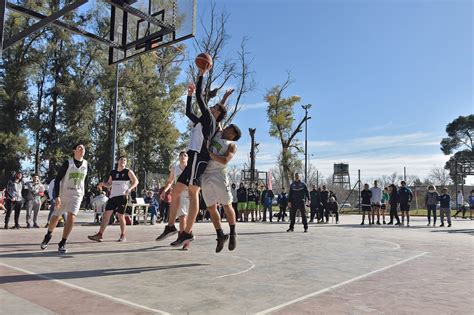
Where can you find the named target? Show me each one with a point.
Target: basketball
(204, 61)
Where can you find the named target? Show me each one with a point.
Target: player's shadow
(73, 252)
(91, 273)
(458, 231)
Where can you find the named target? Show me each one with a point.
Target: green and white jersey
(218, 146)
(72, 184)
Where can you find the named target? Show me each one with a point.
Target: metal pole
(306, 145)
(405, 173)
(317, 179)
(252, 156)
(3, 4)
(114, 131)
(358, 171)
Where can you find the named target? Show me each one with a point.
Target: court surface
(337, 269)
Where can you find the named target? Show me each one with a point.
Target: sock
(220, 233)
(63, 242)
(232, 229)
(49, 233)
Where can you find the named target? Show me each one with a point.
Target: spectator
(242, 203)
(366, 196)
(154, 206)
(52, 204)
(376, 202)
(445, 207)
(33, 200)
(471, 204)
(233, 190)
(98, 205)
(296, 201)
(2, 199)
(251, 202)
(460, 205)
(332, 194)
(14, 199)
(324, 201)
(165, 201)
(385, 202)
(394, 200)
(267, 200)
(258, 196)
(405, 198)
(315, 203)
(332, 207)
(431, 201)
(283, 204)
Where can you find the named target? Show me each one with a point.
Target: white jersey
(218, 146)
(72, 184)
(197, 137)
(376, 195)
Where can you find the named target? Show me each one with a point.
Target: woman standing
(431, 200)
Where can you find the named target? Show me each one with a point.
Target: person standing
(333, 207)
(165, 201)
(68, 193)
(258, 203)
(431, 201)
(267, 200)
(324, 201)
(14, 199)
(282, 204)
(406, 197)
(394, 200)
(233, 190)
(376, 202)
(384, 203)
(153, 206)
(445, 206)
(460, 205)
(251, 202)
(315, 203)
(33, 200)
(242, 203)
(366, 196)
(121, 181)
(297, 200)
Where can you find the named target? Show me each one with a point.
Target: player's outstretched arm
(189, 99)
(224, 159)
(206, 113)
(168, 183)
(226, 96)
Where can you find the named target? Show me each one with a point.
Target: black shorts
(366, 208)
(117, 204)
(404, 207)
(197, 163)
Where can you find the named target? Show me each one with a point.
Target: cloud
(245, 107)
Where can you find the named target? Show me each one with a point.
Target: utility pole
(114, 131)
(252, 155)
(306, 107)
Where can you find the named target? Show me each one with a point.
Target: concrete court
(332, 269)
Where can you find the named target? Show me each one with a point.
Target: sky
(384, 78)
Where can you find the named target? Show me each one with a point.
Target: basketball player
(175, 172)
(122, 181)
(216, 186)
(68, 193)
(203, 130)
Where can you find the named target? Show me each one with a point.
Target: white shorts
(215, 188)
(70, 205)
(183, 204)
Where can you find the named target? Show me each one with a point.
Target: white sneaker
(122, 238)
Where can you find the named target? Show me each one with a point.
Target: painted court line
(338, 285)
(122, 301)
(240, 272)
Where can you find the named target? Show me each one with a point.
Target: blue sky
(384, 77)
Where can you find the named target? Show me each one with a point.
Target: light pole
(306, 107)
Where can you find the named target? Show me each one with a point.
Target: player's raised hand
(228, 93)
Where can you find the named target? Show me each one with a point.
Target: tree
(460, 142)
(281, 119)
(225, 70)
(439, 176)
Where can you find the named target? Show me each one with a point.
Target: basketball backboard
(132, 27)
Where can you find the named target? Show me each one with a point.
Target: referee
(296, 201)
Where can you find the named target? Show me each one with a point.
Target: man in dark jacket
(405, 197)
(283, 204)
(296, 201)
(14, 199)
(324, 194)
(315, 197)
(267, 199)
